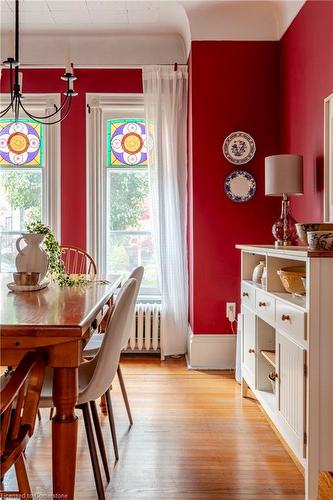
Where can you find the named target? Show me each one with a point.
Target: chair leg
(100, 440)
(39, 415)
(22, 477)
(124, 393)
(51, 412)
(92, 450)
(112, 425)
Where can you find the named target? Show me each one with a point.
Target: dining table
(57, 321)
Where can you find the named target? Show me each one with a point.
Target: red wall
(306, 79)
(73, 135)
(234, 86)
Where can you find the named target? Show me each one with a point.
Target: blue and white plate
(239, 148)
(240, 186)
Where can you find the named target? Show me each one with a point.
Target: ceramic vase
(31, 257)
(257, 272)
(264, 278)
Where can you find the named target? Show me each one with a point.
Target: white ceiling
(142, 31)
(92, 16)
(208, 19)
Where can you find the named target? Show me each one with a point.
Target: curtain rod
(97, 66)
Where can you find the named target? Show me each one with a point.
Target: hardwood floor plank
(193, 438)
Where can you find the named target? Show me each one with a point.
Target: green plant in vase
(56, 268)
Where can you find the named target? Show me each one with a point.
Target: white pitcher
(32, 258)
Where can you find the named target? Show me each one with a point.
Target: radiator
(145, 333)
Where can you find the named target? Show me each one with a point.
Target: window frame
(100, 108)
(51, 169)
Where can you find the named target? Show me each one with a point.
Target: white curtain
(165, 98)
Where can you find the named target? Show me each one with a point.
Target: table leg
(64, 431)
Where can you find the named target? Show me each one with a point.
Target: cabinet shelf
(269, 356)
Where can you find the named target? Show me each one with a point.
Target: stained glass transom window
(21, 143)
(127, 143)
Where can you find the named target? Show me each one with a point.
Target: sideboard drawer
(291, 320)
(248, 294)
(265, 306)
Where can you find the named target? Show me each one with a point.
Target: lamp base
(284, 230)
(284, 243)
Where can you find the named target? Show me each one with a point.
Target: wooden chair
(19, 399)
(77, 261)
(96, 376)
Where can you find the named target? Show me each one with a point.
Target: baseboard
(211, 352)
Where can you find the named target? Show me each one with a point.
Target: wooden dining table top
(56, 321)
(43, 313)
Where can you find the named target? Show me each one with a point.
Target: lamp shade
(283, 175)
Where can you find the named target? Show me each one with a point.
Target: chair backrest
(137, 274)
(102, 368)
(19, 399)
(77, 261)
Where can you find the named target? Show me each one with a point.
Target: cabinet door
(291, 392)
(248, 345)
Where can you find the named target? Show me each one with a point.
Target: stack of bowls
(304, 229)
(23, 278)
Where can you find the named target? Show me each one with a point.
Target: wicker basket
(291, 278)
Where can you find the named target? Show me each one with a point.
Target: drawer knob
(285, 317)
(262, 304)
(252, 351)
(245, 294)
(273, 376)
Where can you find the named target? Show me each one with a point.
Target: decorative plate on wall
(239, 148)
(240, 186)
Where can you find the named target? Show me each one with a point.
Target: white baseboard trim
(211, 352)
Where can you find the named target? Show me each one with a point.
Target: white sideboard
(287, 352)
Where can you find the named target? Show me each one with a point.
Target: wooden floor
(193, 438)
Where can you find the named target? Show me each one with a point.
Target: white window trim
(96, 216)
(51, 204)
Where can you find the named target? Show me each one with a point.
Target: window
(25, 181)
(122, 203)
(21, 168)
(129, 239)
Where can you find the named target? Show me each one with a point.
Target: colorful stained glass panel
(21, 143)
(127, 143)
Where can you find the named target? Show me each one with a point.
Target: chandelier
(15, 83)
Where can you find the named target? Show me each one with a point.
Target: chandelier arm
(4, 111)
(49, 123)
(37, 117)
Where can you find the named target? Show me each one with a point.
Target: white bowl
(320, 240)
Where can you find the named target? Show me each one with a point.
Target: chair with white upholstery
(96, 340)
(96, 376)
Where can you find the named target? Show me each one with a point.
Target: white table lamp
(283, 177)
